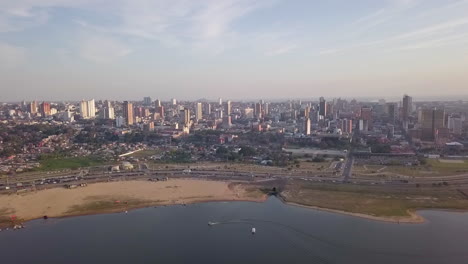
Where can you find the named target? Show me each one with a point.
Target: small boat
(253, 230)
(211, 223)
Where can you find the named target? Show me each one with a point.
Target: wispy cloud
(103, 49)
(281, 50)
(11, 56)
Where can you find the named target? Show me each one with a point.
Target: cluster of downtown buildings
(429, 122)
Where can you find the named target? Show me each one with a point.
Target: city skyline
(236, 49)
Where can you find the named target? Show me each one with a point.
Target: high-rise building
(108, 112)
(307, 126)
(220, 101)
(160, 111)
(174, 101)
(432, 119)
(227, 121)
(323, 107)
(266, 109)
(45, 109)
(119, 121)
(346, 125)
(83, 109)
(207, 109)
(392, 112)
(87, 109)
(157, 103)
(407, 107)
(227, 109)
(258, 110)
(33, 107)
(138, 111)
(365, 119)
(455, 125)
(107, 104)
(147, 101)
(185, 117)
(198, 112)
(128, 112)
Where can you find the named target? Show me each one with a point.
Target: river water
(284, 234)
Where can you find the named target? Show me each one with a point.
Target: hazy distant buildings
(128, 112)
(174, 101)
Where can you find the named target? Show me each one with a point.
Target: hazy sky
(190, 49)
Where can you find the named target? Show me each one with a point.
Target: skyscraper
(147, 101)
(157, 103)
(258, 110)
(87, 109)
(307, 126)
(227, 110)
(128, 112)
(207, 109)
(392, 112)
(432, 119)
(33, 107)
(45, 109)
(407, 107)
(108, 112)
(198, 112)
(322, 107)
(185, 117)
(174, 101)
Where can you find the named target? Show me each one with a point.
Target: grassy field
(374, 201)
(51, 164)
(304, 167)
(432, 167)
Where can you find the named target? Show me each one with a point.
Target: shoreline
(414, 218)
(237, 193)
(98, 199)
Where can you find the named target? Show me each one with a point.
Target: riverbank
(118, 197)
(413, 217)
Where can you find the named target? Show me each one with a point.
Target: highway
(51, 181)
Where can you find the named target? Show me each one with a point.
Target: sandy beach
(413, 217)
(118, 196)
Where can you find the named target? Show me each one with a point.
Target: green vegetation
(49, 163)
(375, 201)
